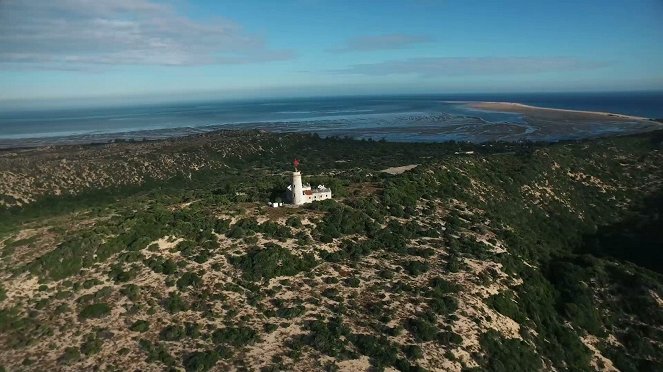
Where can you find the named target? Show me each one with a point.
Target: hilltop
(164, 255)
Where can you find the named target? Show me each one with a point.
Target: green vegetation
(271, 261)
(564, 236)
(95, 311)
(235, 336)
(140, 326)
(156, 352)
(507, 354)
(200, 361)
(91, 345)
(187, 280)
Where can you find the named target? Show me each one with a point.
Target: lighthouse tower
(298, 193)
(297, 188)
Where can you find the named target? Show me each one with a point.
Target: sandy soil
(399, 170)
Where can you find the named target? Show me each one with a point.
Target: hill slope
(500, 259)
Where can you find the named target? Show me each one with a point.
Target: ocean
(396, 118)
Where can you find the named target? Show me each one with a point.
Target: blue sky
(137, 49)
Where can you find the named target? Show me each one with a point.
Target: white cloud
(72, 34)
(461, 66)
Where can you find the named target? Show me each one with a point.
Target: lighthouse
(297, 188)
(299, 193)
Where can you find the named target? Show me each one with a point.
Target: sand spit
(553, 113)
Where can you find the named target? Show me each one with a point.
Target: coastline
(552, 113)
(460, 120)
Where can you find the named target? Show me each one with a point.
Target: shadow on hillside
(638, 238)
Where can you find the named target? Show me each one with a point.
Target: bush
(294, 221)
(449, 338)
(187, 280)
(326, 337)
(415, 268)
(192, 330)
(422, 329)
(91, 345)
(200, 361)
(381, 350)
(507, 354)
(413, 351)
(443, 305)
(171, 333)
(156, 352)
(270, 327)
(132, 292)
(140, 326)
(272, 261)
(174, 303)
(70, 355)
(235, 336)
(352, 282)
(505, 304)
(95, 311)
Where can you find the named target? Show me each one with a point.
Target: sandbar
(553, 113)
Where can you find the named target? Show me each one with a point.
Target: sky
(132, 50)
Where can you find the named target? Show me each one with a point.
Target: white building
(299, 194)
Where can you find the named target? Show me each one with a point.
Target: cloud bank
(70, 34)
(462, 66)
(381, 42)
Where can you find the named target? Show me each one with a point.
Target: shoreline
(547, 111)
(539, 120)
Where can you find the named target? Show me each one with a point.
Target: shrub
(235, 336)
(89, 283)
(449, 338)
(422, 329)
(352, 282)
(505, 304)
(330, 293)
(294, 221)
(174, 303)
(507, 354)
(132, 291)
(443, 305)
(156, 352)
(272, 261)
(70, 355)
(188, 279)
(192, 330)
(171, 333)
(415, 268)
(326, 337)
(91, 345)
(270, 327)
(200, 361)
(381, 350)
(413, 351)
(140, 326)
(98, 310)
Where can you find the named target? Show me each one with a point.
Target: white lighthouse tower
(297, 188)
(299, 193)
